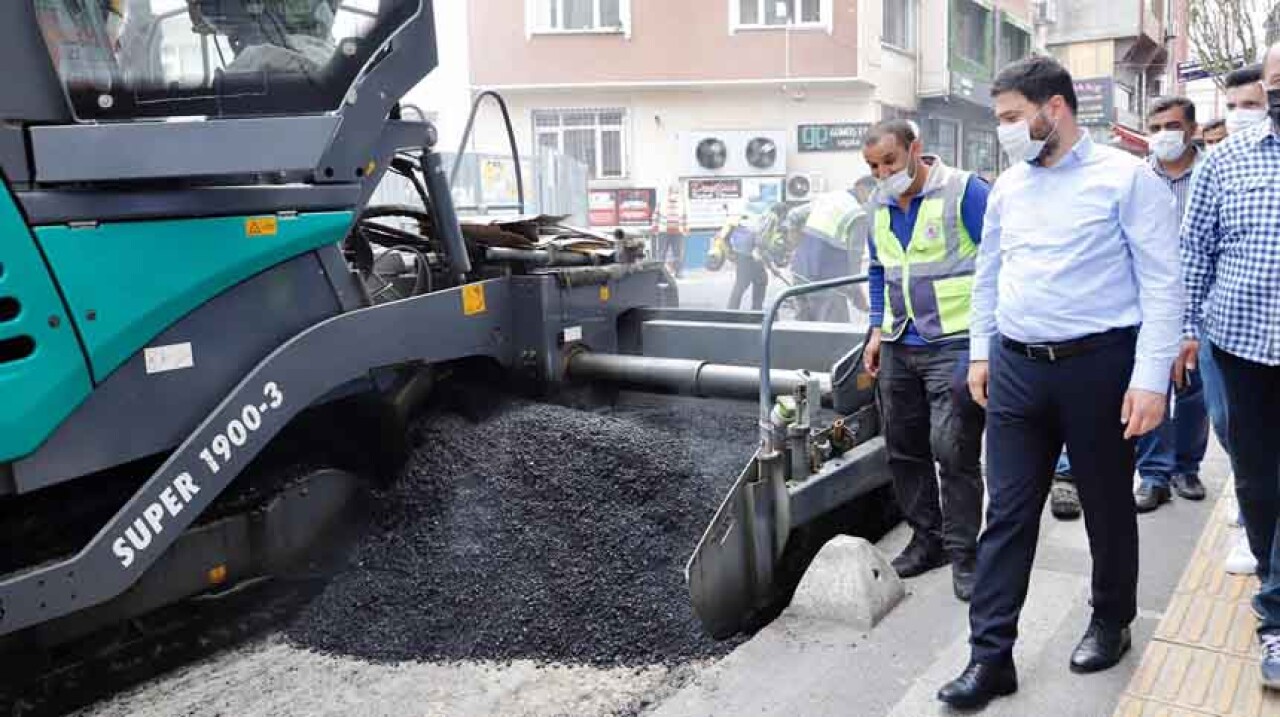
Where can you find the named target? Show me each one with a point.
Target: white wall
(447, 91)
(657, 117)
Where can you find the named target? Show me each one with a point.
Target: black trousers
(748, 271)
(1033, 408)
(1253, 403)
(926, 424)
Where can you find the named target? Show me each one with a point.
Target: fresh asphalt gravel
(524, 530)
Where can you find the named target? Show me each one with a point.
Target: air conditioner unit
(1045, 12)
(802, 186)
(734, 153)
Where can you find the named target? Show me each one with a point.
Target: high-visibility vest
(829, 218)
(931, 281)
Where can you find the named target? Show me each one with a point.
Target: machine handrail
(766, 332)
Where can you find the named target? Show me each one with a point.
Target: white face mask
(1015, 140)
(897, 184)
(1241, 119)
(1168, 145)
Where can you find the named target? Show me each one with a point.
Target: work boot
(963, 572)
(1189, 486)
(919, 557)
(1101, 647)
(1064, 501)
(979, 684)
(1270, 644)
(1151, 495)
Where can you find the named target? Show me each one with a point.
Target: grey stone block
(850, 583)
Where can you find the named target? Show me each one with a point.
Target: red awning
(1130, 140)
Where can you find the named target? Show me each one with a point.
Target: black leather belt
(1066, 349)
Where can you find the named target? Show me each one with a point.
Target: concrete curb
(850, 583)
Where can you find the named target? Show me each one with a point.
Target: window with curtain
(900, 24)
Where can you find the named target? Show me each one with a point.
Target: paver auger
(194, 289)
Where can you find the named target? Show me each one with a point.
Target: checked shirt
(1231, 247)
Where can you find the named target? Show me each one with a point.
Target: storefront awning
(1129, 140)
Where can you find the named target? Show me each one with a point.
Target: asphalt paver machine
(193, 290)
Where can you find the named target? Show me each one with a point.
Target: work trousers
(748, 271)
(1034, 407)
(933, 435)
(1253, 403)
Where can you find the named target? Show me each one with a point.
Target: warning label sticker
(473, 299)
(260, 227)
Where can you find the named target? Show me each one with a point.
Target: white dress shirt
(1082, 247)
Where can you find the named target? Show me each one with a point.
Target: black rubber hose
(511, 141)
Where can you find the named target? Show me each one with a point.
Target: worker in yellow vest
(923, 241)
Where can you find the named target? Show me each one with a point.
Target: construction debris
(541, 532)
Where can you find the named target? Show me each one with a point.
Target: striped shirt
(1231, 247)
(1181, 186)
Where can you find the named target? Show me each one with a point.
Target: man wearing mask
(1213, 132)
(1230, 251)
(1246, 100)
(1076, 310)
(1169, 457)
(924, 236)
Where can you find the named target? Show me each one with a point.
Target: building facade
(1124, 54)
(730, 101)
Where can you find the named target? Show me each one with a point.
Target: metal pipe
(443, 213)
(766, 339)
(538, 257)
(687, 376)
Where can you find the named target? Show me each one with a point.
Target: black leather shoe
(1150, 496)
(1064, 500)
(1100, 648)
(1189, 486)
(962, 576)
(979, 684)
(918, 558)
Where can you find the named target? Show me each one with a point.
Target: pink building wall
(671, 41)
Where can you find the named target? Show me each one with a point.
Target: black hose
(511, 141)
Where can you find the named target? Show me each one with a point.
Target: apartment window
(1126, 97)
(980, 153)
(1015, 43)
(779, 13)
(597, 138)
(944, 140)
(551, 16)
(972, 23)
(900, 24)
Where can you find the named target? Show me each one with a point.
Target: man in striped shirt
(1172, 453)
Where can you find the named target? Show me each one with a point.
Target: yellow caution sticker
(605, 293)
(261, 227)
(473, 299)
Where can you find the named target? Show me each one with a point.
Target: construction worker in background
(830, 236)
(743, 240)
(671, 228)
(923, 245)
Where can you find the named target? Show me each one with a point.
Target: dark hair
(1038, 78)
(1164, 104)
(1211, 125)
(899, 128)
(1244, 76)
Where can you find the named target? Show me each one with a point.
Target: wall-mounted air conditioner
(733, 153)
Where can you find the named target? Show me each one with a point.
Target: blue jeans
(1215, 398)
(1177, 447)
